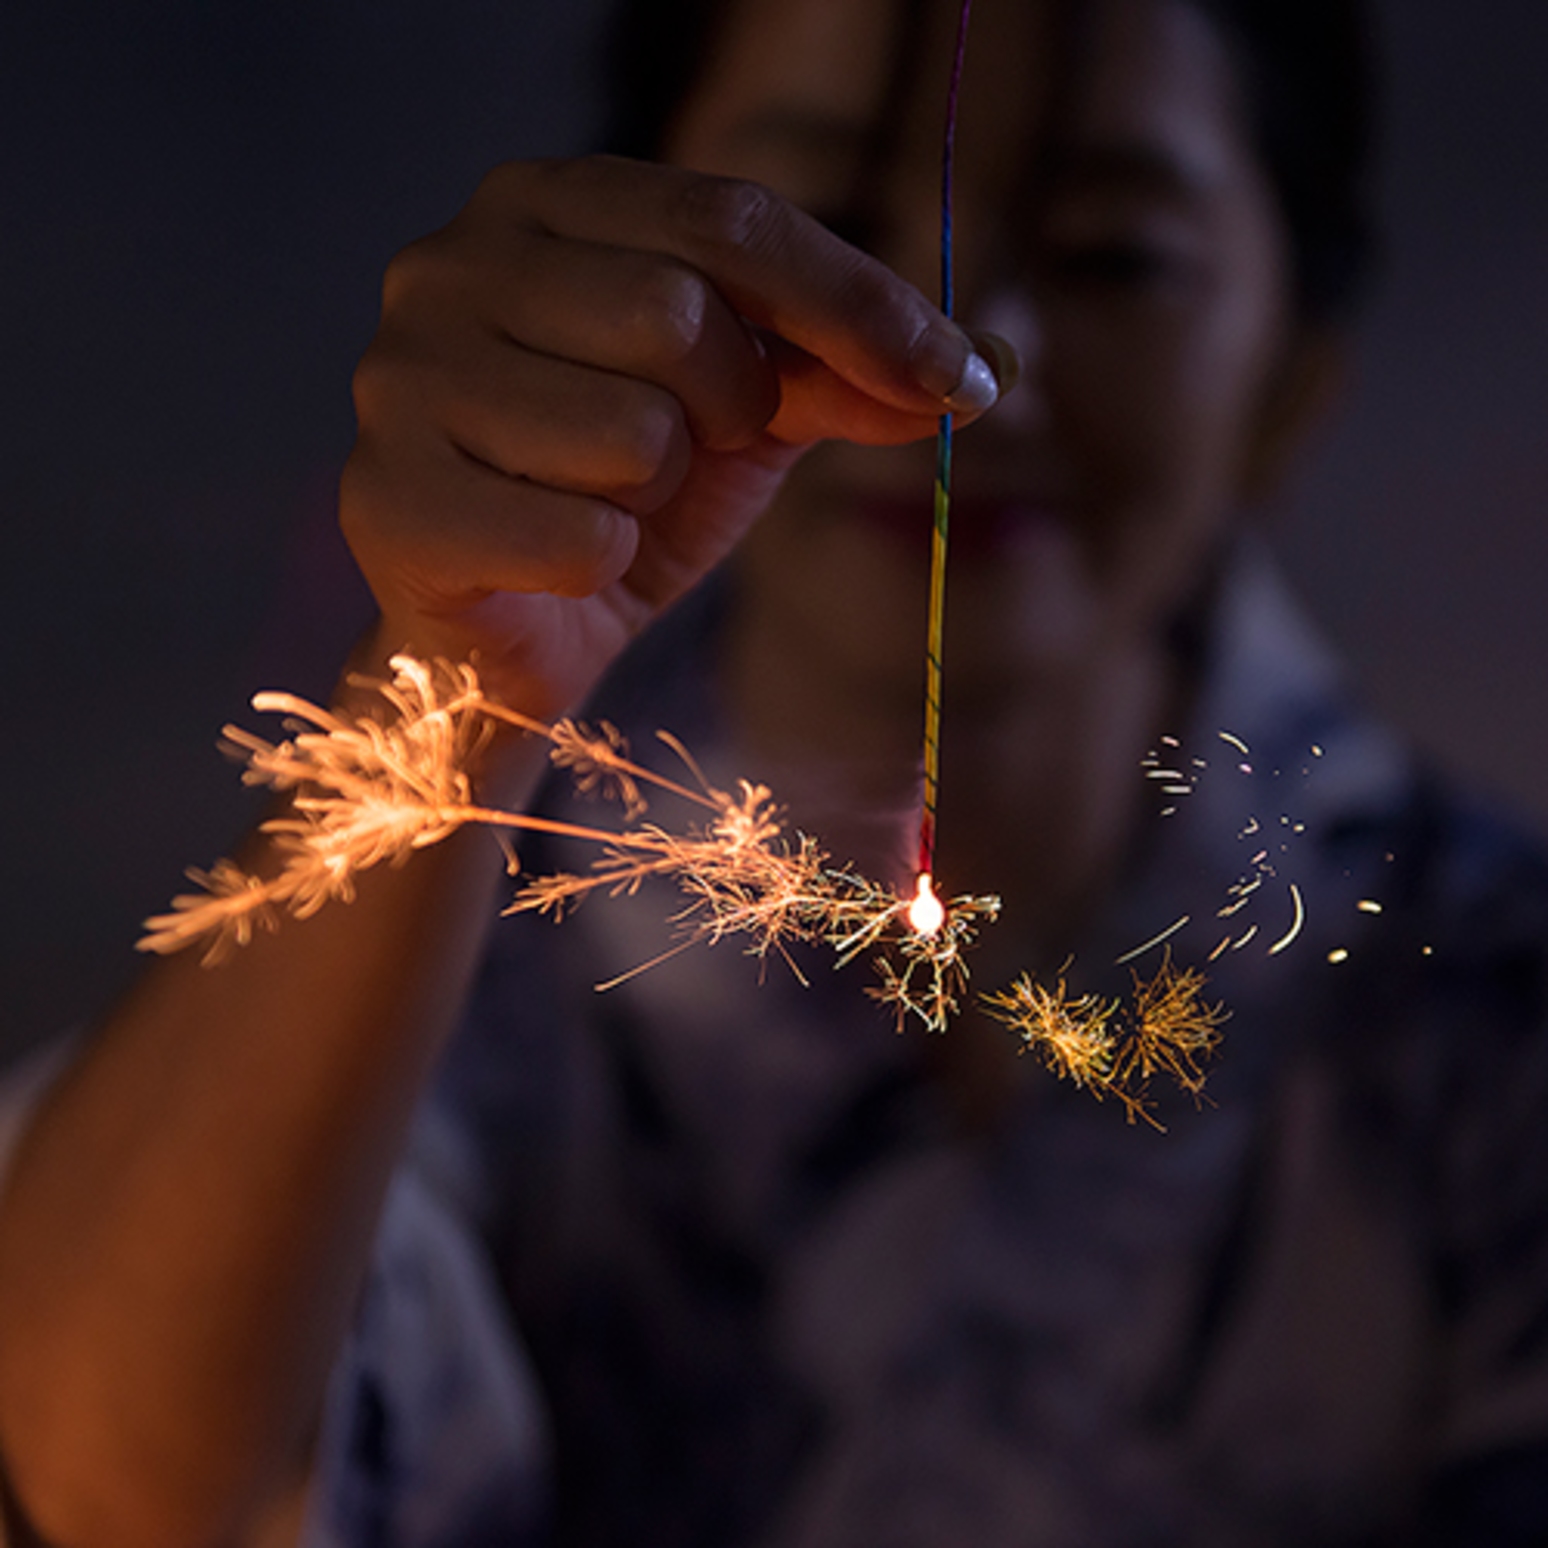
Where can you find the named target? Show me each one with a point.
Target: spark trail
(369, 789)
(366, 791)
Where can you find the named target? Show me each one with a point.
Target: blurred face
(1112, 222)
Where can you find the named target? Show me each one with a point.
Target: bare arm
(582, 394)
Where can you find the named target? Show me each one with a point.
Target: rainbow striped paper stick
(935, 640)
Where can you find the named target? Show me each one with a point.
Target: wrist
(501, 751)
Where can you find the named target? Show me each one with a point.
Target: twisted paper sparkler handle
(935, 640)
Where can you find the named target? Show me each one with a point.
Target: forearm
(572, 412)
(187, 1223)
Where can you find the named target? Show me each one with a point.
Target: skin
(588, 387)
(1145, 280)
(583, 395)
(1142, 278)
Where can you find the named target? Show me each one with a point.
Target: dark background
(197, 201)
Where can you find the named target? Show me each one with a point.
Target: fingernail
(1002, 357)
(977, 389)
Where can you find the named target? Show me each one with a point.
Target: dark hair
(1308, 69)
(653, 54)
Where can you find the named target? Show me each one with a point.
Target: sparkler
(936, 628)
(367, 791)
(370, 791)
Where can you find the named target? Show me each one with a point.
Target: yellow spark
(1236, 742)
(1338, 954)
(1072, 1035)
(369, 791)
(1155, 940)
(1295, 924)
(1115, 1048)
(1368, 906)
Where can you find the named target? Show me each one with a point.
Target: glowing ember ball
(926, 913)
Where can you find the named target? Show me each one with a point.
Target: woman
(699, 1261)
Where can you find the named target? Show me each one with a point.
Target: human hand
(587, 387)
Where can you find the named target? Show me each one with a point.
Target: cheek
(1158, 412)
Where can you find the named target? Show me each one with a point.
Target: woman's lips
(980, 524)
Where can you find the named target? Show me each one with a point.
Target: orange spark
(368, 791)
(926, 914)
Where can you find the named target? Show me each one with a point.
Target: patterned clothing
(768, 1296)
(702, 1260)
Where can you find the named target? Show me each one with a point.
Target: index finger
(779, 268)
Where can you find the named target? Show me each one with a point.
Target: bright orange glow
(926, 913)
(369, 791)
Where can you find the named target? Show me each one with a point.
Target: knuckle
(865, 293)
(594, 535)
(412, 271)
(499, 209)
(728, 214)
(390, 376)
(555, 180)
(893, 317)
(669, 311)
(370, 386)
(503, 183)
(642, 443)
(594, 167)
